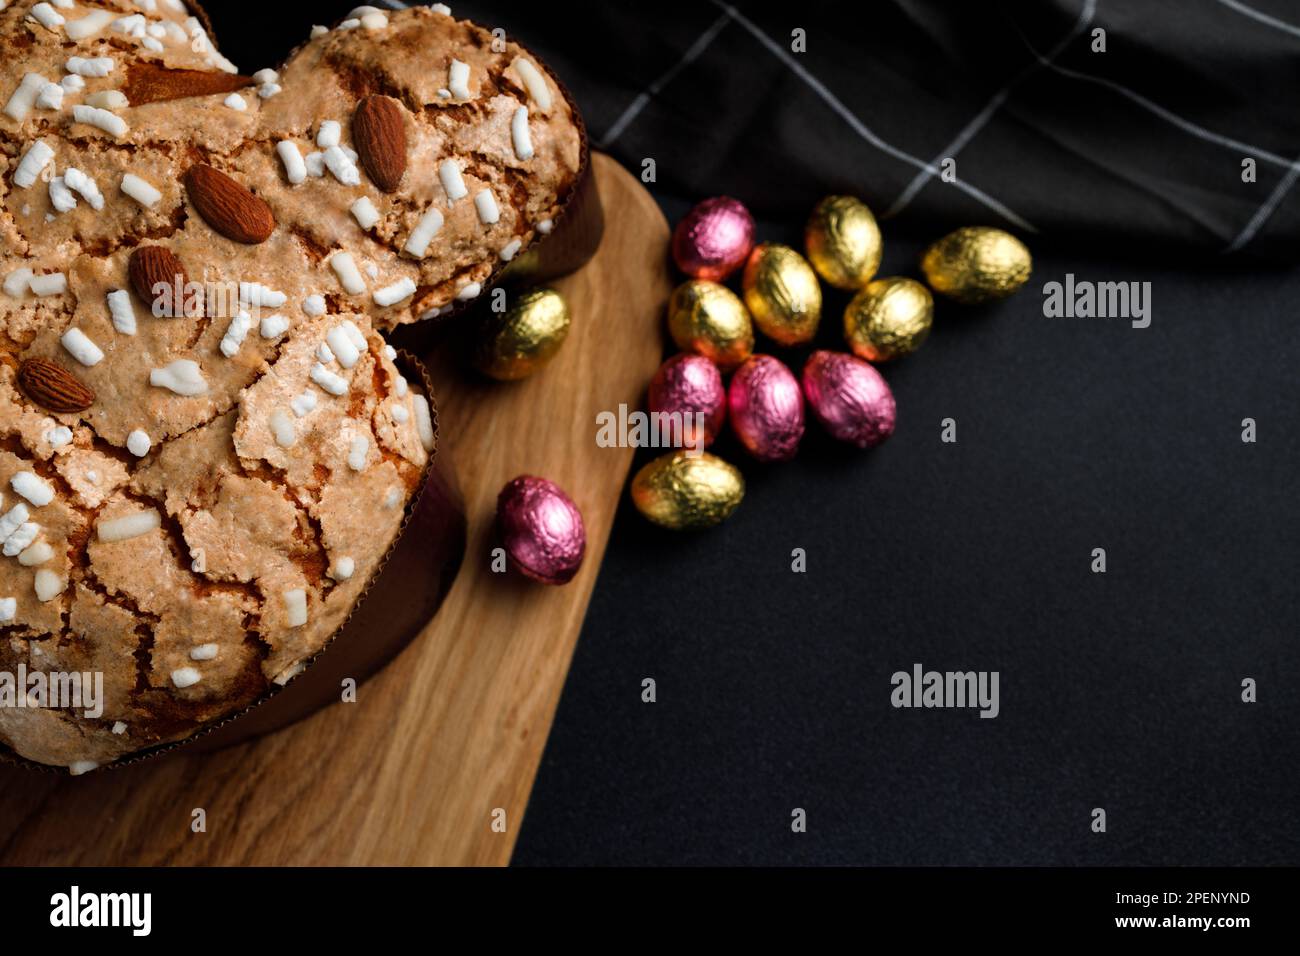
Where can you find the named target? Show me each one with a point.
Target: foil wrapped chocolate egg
(708, 319)
(766, 407)
(686, 492)
(849, 397)
(541, 530)
(515, 343)
(888, 318)
(977, 264)
(782, 294)
(690, 386)
(843, 242)
(713, 239)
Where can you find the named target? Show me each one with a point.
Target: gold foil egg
(977, 264)
(843, 242)
(782, 293)
(888, 318)
(515, 343)
(686, 492)
(708, 319)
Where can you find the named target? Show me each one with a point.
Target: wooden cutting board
(445, 741)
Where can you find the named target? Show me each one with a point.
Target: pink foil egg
(690, 386)
(849, 397)
(713, 240)
(766, 408)
(541, 529)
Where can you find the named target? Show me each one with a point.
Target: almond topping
(379, 134)
(53, 387)
(228, 207)
(151, 83)
(152, 266)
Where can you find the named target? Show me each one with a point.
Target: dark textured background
(1118, 690)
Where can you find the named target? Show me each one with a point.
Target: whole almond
(228, 206)
(150, 83)
(53, 387)
(151, 266)
(379, 134)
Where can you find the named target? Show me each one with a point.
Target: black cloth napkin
(1134, 136)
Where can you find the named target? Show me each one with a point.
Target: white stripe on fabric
(1187, 126)
(1264, 18)
(859, 127)
(975, 125)
(1265, 211)
(637, 105)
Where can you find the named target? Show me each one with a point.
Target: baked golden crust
(213, 522)
(408, 60)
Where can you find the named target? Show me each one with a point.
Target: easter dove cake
(207, 448)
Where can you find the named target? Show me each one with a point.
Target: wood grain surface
(451, 731)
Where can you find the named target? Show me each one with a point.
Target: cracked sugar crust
(408, 60)
(241, 521)
(205, 552)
